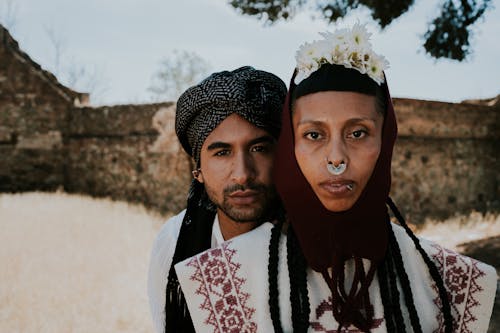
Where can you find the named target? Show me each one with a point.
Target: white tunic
(226, 288)
(161, 259)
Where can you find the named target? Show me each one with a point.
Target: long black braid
(405, 282)
(294, 294)
(443, 295)
(273, 276)
(297, 270)
(386, 299)
(398, 314)
(302, 279)
(389, 271)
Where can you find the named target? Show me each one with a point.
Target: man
(229, 124)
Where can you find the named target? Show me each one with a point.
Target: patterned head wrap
(256, 95)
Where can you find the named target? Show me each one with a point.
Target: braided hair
(390, 271)
(438, 280)
(297, 272)
(194, 237)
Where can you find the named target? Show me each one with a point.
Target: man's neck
(230, 228)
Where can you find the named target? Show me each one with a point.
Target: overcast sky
(124, 41)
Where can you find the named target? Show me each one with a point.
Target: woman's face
(337, 126)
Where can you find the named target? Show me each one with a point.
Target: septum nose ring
(335, 169)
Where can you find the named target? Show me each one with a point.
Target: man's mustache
(258, 187)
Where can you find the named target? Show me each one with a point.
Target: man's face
(236, 163)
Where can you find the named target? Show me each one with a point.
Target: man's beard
(257, 213)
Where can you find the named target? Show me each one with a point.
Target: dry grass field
(73, 264)
(461, 229)
(76, 264)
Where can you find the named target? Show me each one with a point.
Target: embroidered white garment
(160, 261)
(226, 288)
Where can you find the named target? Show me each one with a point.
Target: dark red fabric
(329, 239)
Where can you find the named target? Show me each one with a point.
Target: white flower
(348, 48)
(376, 66)
(302, 75)
(308, 53)
(323, 51)
(355, 60)
(360, 36)
(339, 35)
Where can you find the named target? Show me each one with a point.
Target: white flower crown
(349, 48)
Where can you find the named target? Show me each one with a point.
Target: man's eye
(224, 152)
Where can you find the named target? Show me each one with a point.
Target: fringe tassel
(177, 317)
(353, 307)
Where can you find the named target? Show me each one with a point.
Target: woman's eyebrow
(310, 121)
(360, 119)
(349, 121)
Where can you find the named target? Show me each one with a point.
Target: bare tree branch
(70, 72)
(8, 14)
(59, 45)
(176, 73)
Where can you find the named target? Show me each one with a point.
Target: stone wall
(49, 140)
(117, 152)
(446, 159)
(33, 120)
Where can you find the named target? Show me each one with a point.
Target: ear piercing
(196, 173)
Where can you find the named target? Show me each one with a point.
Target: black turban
(256, 95)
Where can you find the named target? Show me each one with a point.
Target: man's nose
(243, 169)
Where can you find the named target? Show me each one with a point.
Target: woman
(344, 266)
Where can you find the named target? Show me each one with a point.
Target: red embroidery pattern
(327, 306)
(221, 288)
(460, 275)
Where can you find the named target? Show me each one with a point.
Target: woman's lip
(338, 187)
(336, 182)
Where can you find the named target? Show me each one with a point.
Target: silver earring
(196, 173)
(335, 169)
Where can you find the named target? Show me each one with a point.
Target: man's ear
(198, 175)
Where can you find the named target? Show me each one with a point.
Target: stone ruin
(446, 159)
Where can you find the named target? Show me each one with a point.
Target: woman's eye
(358, 134)
(259, 149)
(313, 135)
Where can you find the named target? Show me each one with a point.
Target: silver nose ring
(336, 169)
